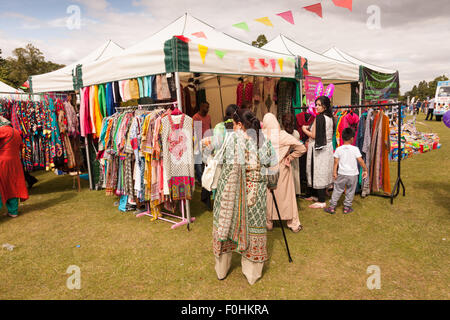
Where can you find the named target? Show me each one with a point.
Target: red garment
(301, 121)
(12, 179)
(350, 120)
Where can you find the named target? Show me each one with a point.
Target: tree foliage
(424, 89)
(260, 41)
(24, 63)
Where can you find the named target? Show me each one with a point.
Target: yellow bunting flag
(203, 50)
(266, 21)
(280, 63)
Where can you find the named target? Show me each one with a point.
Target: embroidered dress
(178, 157)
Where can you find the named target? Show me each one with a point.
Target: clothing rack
(399, 182)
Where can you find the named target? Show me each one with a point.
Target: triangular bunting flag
(241, 25)
(266, 21)
(273, 62)
(305, 72)
(252, 63)
(220, 53)
(287, 15)
(199, 35)
(280, 63)
(343, 3)
(290, 59)
(203, 50)
(316, 8)
(303, 61)
(263, 63)
(183, 38)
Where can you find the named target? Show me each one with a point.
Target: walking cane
(282, 228)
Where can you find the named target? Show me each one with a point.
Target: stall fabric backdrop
(379, 86)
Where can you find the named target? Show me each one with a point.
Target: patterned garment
(240, 203)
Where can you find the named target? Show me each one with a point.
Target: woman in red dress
(12, 180)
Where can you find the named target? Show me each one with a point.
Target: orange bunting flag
(273, 62)
(199, 35)
(263, 63)
(343, 3)
(303, 61)
(287, 15)
(316, 8)
(203, 50)
(266, 21)
(183, 38)
(252, 63)
(280, 63)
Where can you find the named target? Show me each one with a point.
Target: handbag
(212, 170)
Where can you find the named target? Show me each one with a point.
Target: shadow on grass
(46, 204)
(59, 184)
(441, 192)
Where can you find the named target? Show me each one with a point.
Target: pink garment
(82, 113)
(349, 120)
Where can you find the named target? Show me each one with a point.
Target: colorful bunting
(290, 59)
(203, 50)
(287, 15)
(266, 21)
(273, 62)
(252, 63)
(303, 61)
(263, 63)
(183, 38)
(220, 53)
(199, 34)
(343, 3)
(241, 25)
(280, 63)
(316, 8)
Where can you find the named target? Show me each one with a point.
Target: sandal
(13, 215)
(348, 210)
(312, 199)
(318, 205)
(330, 210)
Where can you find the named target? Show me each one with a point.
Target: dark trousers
(430, 113)
(303, 177)
(205, 196)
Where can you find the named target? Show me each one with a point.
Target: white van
(442, 99)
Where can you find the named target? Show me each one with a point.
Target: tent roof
(6, 88)
(338, 54)
(61, 79)
(318, 64)
(148, 57)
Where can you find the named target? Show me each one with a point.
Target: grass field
(123, 257)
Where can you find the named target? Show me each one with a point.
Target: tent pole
(86, 143)
(180, 107)
(221, 101)
(360, 96)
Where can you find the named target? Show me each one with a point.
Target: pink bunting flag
(200, 34)
(343, 3)
(252, 63)
(287, 15)
(273, 62)
(263, 63)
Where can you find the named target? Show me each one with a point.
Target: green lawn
(123, 257)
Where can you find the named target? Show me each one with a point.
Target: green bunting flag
(220, 53)
(241, 25)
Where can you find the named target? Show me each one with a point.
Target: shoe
(312, 199)
(318, 205)
(330, 210)
(300, 228)
(13, 215)
(348, 210)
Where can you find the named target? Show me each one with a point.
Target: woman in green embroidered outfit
(240, 205)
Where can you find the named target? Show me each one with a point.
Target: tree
(425, 89)
(260, 41)
(24, 63)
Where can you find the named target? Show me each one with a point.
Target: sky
(412, 36)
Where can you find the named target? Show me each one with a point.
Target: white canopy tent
(62, 79)
(8, 92)
(208, 51)
(318, 65)
(338, 54)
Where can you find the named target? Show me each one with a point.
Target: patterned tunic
(240, 205)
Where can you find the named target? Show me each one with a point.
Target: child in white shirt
(347, 158)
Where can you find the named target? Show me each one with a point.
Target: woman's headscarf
(280, 139)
